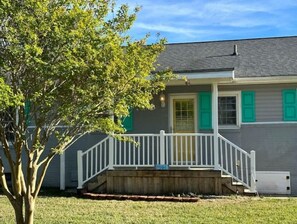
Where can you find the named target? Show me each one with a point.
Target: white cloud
(165, 28)
(234, 7)
(193, 18)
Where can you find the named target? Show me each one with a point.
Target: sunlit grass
(227, 210)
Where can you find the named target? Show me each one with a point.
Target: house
(233, 109)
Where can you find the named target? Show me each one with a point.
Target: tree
(70, 63)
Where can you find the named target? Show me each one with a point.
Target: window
(228, 109)
(234, 108)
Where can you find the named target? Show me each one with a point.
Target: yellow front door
(183, 122)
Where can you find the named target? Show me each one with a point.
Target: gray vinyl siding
(152, 121)
(275, 146)
(52, 176)
(268, 99)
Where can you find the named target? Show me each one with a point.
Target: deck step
(248, 192)
(98, 185)
(231, 187)
(237, 184)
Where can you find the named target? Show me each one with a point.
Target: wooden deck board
(160, 182)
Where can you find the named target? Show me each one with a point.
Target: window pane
(184, 115)
(227, 110)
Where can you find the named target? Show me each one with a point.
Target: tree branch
(4, 182)
(5, 147)
(43, 172)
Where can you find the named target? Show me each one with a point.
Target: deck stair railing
(187, 150)
(93, 161)
(237, 163)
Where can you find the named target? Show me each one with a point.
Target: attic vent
(235, 52)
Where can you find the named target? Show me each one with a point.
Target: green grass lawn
(227, 210)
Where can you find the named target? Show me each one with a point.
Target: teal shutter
(128, 121)
(205, 115)
(27, 112)
(289, 105)
(248, 106)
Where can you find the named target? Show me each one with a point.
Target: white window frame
(237, 95)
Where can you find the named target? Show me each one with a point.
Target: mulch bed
(138, 197)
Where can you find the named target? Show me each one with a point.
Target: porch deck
(164, 182)
(171, 151)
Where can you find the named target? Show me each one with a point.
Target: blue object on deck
(161, 167)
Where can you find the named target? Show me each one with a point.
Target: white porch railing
(188, 150)
(92, 162)
(237, 163)
(191, 150)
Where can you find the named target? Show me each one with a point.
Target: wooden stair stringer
(231, 187)
(99, 184)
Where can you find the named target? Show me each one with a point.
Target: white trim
(182, 96)
(215, 124)
(196, 78)
(269, 122)
(207, 75)
(237, 94)
(228, 78)
(264, 80)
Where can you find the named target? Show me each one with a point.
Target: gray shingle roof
(262, 57)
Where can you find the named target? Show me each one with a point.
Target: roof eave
(265, 80)
(194, 78)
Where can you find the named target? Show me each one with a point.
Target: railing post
(162, 147)
(215, 125)
(253, 171)
(79, 170)
(111, 155)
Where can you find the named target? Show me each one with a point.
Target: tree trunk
(18, 210)
(29, 209)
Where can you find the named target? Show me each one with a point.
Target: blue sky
(205, 20)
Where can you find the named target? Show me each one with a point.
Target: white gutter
(265, 80)
(208, 75)
(203, 78)
(228, 78)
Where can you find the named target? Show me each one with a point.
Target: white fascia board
(264, 80)
(203, 78)
(207, 75)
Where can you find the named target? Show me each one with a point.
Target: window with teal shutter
(248, 106)
(289, 105)
(205, 116)
(128, 121)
